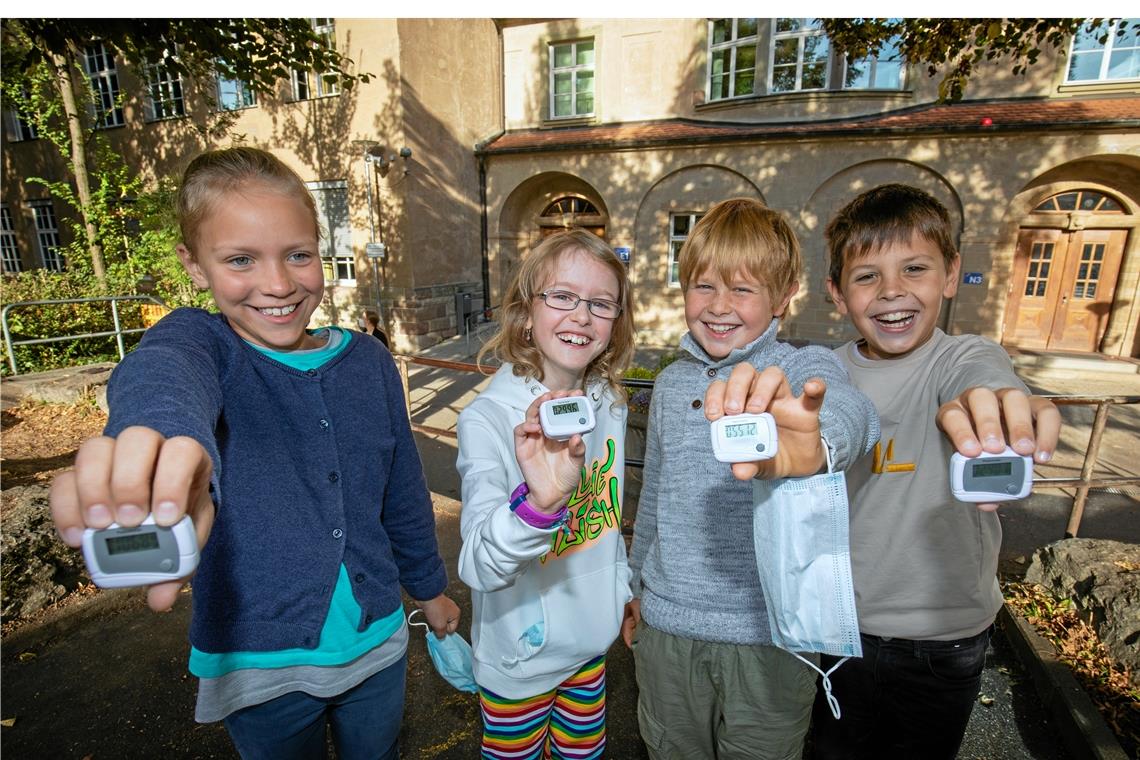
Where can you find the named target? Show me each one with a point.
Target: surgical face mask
(803, 554)
(451, 657)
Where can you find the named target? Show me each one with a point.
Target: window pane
(745, 83)
(1087, 39)
(585, 82)
(787, 24)
(888, 75)
(786, 51)
(585, 105)
(1067, 201)
(1129, 33)
(745, 27)
(562, 105)
(858, 75)
(562, 83)
(814, 76)
(681, 225)
(721, 61)
(562, 56)
(1084, 66)
(784, 79)
(718, 87)
(721, 30)
(585, 53)
(815, 49)
(1124, 64)
(746, 57)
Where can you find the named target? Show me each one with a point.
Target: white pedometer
(744, 438)
(991, 477)
(119, 557)
(564, 417)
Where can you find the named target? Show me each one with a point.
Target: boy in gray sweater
(711, 683)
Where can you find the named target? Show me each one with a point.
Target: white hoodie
(573, 581)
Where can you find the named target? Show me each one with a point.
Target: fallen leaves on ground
(41, 439)
(1106, 682)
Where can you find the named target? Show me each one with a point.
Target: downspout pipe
(484, 233)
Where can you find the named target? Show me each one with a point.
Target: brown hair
(511, 343)
(217, 172)
(885, 215)
(743, 234)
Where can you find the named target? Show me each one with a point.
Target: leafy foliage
(639, 399)
(956, 45)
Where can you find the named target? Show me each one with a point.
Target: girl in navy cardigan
(271, 437)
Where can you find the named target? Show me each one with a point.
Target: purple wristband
(531, 516)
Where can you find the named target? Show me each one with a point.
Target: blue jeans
(902, 699)
(365, 722)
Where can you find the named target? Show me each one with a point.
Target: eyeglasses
(564, 300)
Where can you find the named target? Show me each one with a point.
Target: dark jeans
(902, 699)
(365, 722)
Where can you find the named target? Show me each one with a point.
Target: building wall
(434, 90)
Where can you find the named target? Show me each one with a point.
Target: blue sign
(972, 278)
(622, 253)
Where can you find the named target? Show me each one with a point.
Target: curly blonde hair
(512, 344)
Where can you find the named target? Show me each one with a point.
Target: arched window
(1080, 200)
(571, 211)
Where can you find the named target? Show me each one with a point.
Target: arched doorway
(1065, 273)
(568, 212)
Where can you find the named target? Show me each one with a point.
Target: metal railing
(119, 331)
(1083, 484)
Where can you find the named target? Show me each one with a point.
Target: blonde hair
(512, 344)
(217, 172)
(743, 234)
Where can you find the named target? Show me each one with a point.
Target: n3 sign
(972, 278)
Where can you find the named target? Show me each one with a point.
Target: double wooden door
(1061, 291)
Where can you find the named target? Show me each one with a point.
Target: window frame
(1105, 52)
(874, 62)
(107, 107)
(51, 257)
(164, 90)
(573, 70)
(801, 36)
(734, 43)
(674, 263)
(10, 260)
(313, 85)
(334, 262)
(243, 92)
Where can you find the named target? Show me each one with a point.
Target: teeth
(577, 340)
(895, 316)
(720, 329)
(277, 311)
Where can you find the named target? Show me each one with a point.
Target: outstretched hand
(800, 450)
(981, 419)
(121, 480)
(551, 468)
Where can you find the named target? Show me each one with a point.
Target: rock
(38, 568)
(1103, 579)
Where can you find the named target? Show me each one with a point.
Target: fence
(1083, 484)
(149, 309)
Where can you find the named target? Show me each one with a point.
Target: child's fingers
(747, 470)
(714, 399)
(576, 446)
(1047, 418)
(133, 472)
(1018, 418)
(65, 509)
(814, 391)
(987, 507)
(183, 467)
(768, 385)
(984, 410)
(161, 596)
(93, 464)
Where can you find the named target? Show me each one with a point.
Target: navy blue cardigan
(312, 469)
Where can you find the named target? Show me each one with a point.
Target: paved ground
(109, 680)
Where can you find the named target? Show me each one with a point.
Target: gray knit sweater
(693, 558)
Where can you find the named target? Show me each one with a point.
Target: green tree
(955, 46)
(44, 79)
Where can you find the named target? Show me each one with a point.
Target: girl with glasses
(542, 546)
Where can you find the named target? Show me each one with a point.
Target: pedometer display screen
(992, 469)
(570, 407)
(137, 542)
(740, 431)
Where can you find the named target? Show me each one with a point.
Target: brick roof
(968, 117)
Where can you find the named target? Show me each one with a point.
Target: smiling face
(724, 316)
(570, 340)
(257, 253)
(893, 295)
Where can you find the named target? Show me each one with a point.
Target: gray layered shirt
(693, 557)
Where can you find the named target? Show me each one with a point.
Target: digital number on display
(744, 438)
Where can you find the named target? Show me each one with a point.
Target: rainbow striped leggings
(568, 721)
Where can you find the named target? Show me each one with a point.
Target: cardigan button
(324, 424)
(338, 533)
(360, 577)
(333, 477)
(368, 620)
(696, 403)
(712, 372)
(311, 372)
